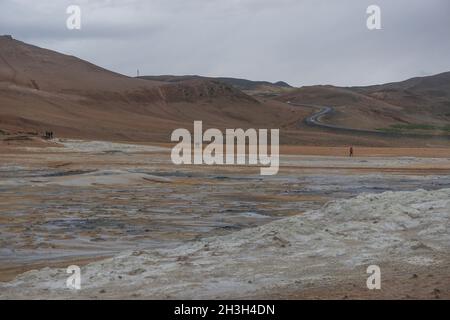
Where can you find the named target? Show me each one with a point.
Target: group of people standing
(48, 134)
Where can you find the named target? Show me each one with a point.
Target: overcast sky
(303, 42)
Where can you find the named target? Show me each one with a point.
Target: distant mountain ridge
(249, 86)
(417, 104)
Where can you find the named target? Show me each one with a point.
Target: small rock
(136, 272)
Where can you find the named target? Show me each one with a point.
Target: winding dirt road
(315, 120)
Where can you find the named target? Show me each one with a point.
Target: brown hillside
(44, 90)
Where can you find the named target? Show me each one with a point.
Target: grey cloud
(300, 41)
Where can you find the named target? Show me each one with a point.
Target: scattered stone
(136, 272)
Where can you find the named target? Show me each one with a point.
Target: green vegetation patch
(414, 127)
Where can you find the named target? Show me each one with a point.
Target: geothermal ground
(141, 227)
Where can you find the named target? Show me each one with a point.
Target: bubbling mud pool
(95, 200)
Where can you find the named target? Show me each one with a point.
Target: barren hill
(44, 90)
(419, 105)
(256, 88)
(37, 68)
